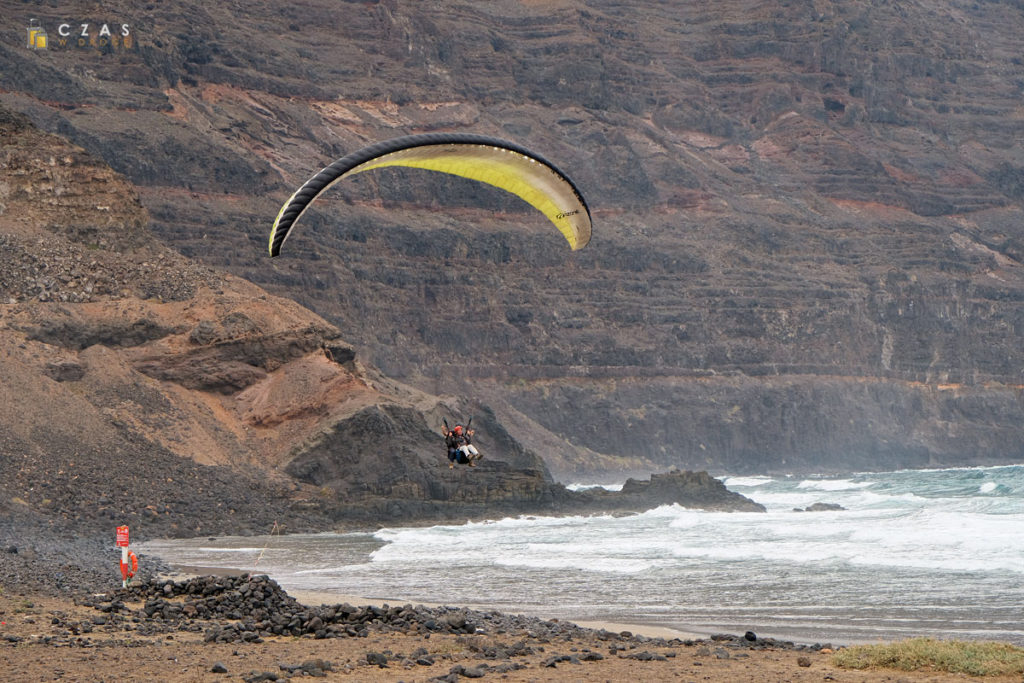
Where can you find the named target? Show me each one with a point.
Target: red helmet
(458, 429)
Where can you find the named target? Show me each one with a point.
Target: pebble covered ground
(246, 628)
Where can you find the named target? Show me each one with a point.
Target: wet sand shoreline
(313, 598)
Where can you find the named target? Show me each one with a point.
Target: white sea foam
(687, 519)
(584, 487)
(833, 484)
(746, 481)
(937, 552)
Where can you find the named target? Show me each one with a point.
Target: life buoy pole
(129, 565)
(129, 561)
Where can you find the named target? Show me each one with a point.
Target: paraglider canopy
(497, 162)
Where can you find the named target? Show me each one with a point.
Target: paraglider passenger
(451, 440)
(460, 448)
(467, 449)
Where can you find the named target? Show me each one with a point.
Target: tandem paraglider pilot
(460, 447)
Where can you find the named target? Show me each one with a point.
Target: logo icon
(36, 36)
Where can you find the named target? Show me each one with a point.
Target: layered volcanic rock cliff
(139, 388)
(808, 215)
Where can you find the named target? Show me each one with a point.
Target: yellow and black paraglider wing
(488, 160)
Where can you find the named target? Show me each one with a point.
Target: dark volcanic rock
(65, 371)
(237, 361)
(690, 489)
(375, 463)
(820, 507)
(72, 334)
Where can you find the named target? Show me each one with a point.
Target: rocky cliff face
(139, 388)
(808, 237)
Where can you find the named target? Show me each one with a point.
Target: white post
(122, 541)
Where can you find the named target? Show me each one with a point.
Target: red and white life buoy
(129, 568)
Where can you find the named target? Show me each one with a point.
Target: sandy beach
(45, 638)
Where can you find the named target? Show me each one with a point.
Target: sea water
(914, 553)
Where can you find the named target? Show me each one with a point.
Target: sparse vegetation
(982, 658)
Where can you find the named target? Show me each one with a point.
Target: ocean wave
(994, 488)
(443, 532)
(939, 563)
(584, 487)
(747, 481)
(587, 563)
(968, 471)
(908, 547)
(834, 484)
(338, 569)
